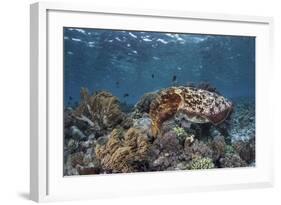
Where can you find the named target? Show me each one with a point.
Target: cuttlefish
(198, 105)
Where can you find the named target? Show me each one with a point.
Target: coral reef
(242, 122)
(218, 147)
(77, 158)
(199, 106)
(231, 161)
(178, 128)
(165, 152)
(197, 149)
(245, 149)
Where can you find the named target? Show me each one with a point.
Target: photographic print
(142, 101)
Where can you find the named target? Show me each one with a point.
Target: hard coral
(168, 143)
(218, 146)
(197, 149)
(143, 105)
(77, 158)
(246, 149)
(199, 106)
(232, 160)
(179, 131)
(101, 108)
(165, 152)
(202, 163)
(122, 151)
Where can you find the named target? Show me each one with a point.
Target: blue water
(131, 63)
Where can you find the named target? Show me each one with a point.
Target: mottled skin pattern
(200, 106)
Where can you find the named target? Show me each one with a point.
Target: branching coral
(102, 108)
(183, 136)
(123, 151)
(202, 163)
(179, 131)
(199, 106)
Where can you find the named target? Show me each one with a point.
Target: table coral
(200, 106)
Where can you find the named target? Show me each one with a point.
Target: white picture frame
(46, 178)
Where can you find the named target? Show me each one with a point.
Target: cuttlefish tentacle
(200, 106)
(164, 107)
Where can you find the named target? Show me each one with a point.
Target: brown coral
(200, 106)
(122, 151)
(102, 108)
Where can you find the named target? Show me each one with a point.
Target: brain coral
(199, 106)
(123, 151)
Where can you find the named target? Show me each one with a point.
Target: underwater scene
(142, 101)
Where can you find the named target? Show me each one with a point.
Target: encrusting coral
(102, 108)
(200, 106)
(122, 152)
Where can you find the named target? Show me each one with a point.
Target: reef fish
(126, 95)
(198, 105)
